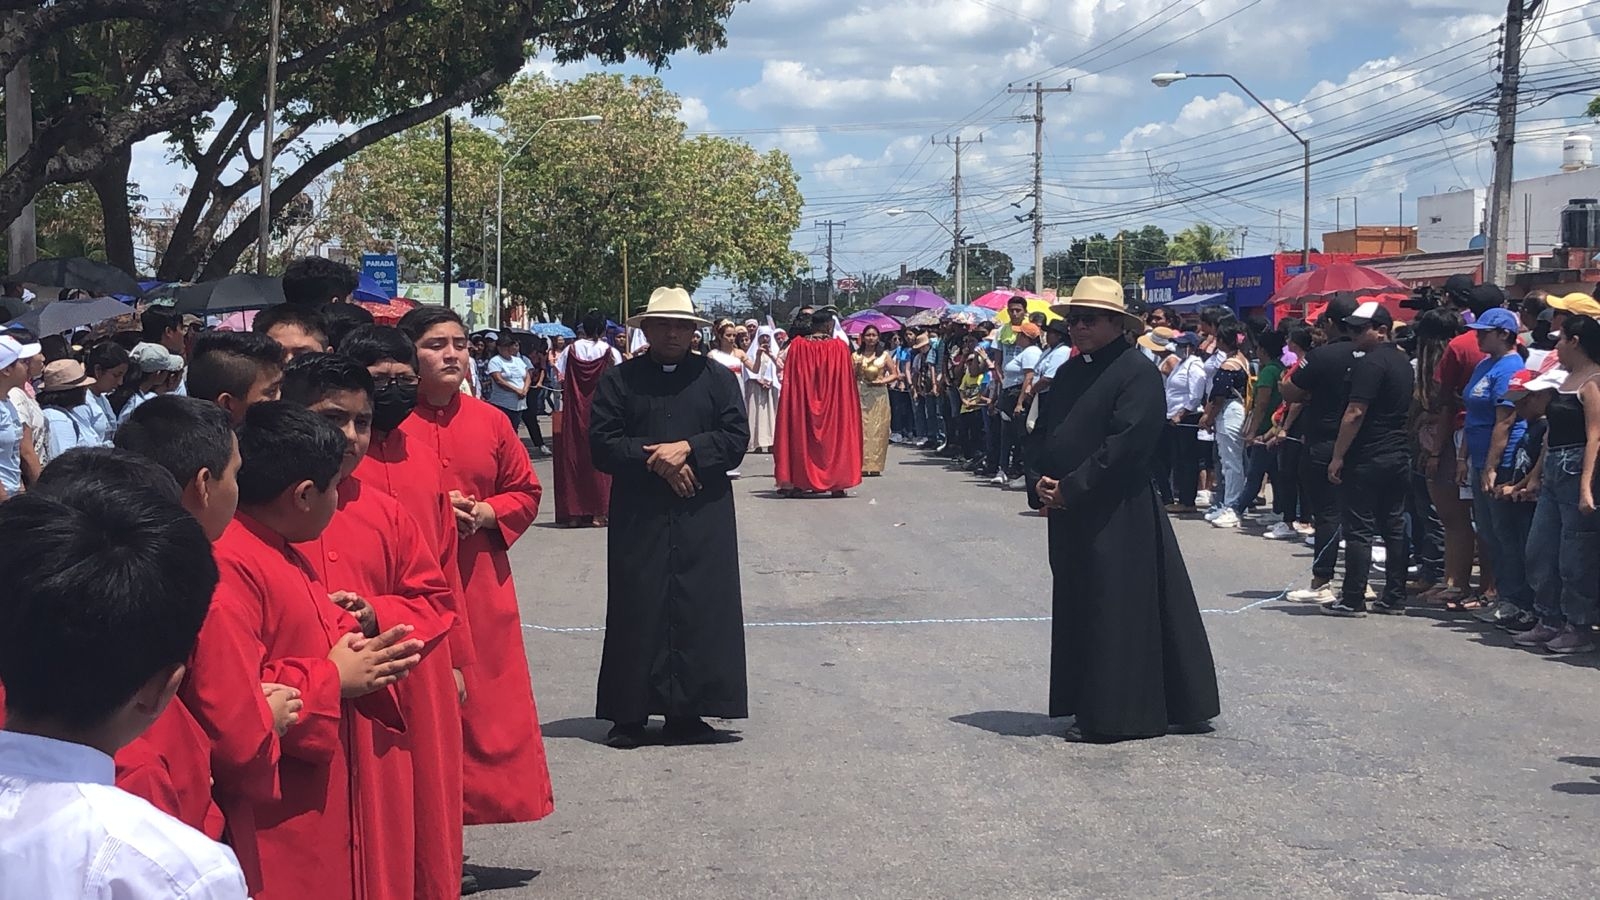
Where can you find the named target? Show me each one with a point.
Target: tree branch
(26, 32)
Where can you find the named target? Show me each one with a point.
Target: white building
(1451, 221)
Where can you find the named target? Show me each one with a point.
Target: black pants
(515, 415)
(1326, 511)
(1161, 465)
(1258, 464)
(1424, 531)
(900, 417)
(1286, 482)
(1375, 509)
(1014, 430)
(530, 418)
(972, 434)
(1184, 440)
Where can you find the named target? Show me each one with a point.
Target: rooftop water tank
(1580, 223)
(1577, 152)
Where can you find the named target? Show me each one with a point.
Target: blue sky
(854, 91)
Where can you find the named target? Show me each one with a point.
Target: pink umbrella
(997, 299)
(237, 321)
(1338, 278)
(855, 323)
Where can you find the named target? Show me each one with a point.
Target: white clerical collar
(671, 368)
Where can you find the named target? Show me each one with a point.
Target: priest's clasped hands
(671, 463)
(472, 514)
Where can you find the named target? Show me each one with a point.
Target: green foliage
(686, 208)
(1124, 255)
(1201, 243)
(1593, 111)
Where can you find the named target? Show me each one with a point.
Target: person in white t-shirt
(107, 363)
(117, 572)
(508, 384)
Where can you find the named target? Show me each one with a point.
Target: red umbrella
(1339, 278)
(388, 313)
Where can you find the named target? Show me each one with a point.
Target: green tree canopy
(1201, 242)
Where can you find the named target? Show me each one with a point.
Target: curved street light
(959, 254)
(500, 193)
(1167, 79)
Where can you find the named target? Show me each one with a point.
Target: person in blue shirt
(66, 414)
(1488, 454)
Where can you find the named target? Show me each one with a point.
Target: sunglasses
(1076, 319)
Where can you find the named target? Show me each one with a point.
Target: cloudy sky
(856, 92)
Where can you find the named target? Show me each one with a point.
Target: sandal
(1471, 603)
(1442, 597)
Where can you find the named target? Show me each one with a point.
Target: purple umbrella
(909, 302)
(855, 323)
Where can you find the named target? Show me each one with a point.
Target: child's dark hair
(110, 581)
(373, 344)
(229, 362)
(421, 320)
(282, 444)
(83, 467)
(105, 356)
(341, 319)
(307, 318)
(180, 434)
(316, 375)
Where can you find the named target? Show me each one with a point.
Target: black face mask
(391, 404)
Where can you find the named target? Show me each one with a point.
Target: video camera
(1423, 298)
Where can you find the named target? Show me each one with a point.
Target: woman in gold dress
(875, 371)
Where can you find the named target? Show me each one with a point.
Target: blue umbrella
(552, 329)
(369, 291)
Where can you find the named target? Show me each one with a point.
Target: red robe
(311, 843)
(818, 442)
(505, 777)
(409, 472)
(170, 766)
(580, 488)
(374, 548)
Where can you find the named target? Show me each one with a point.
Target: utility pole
(24, 237)
(1505, 144)
(958, 252)
(264, 242)
(449, 205)
(830, 225)
(1038, 90)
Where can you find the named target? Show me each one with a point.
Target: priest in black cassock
(668, 426)
(1128, 654)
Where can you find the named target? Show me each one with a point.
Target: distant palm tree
(1201, 243)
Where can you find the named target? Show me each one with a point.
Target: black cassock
(674, 641)
(1128, 651)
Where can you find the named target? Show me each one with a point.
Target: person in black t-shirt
(1322, 383)
(1371, 461)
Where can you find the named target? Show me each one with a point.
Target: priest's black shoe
(691, 730)
(1076, 735)
(627, 736)
(469, 884)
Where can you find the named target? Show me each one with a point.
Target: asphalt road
(1354, 758)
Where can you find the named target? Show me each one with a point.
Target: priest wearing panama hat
(1129, 655)
(668, 425)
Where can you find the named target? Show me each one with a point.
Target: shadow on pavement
(1577, 788)
(592, 730)
(1254, 595)
(1013, 723)
(499, 878)
(1592, 762)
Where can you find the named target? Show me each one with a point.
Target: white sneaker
(896, 438)
(1282, 531)
(1202, 499)
(998, 479)
(1305, 528)
(734, 474)
(1015, 483)
(1315, 594)
(1228, 519)
(1311, 540)
(1215, 513)
(1379, 555)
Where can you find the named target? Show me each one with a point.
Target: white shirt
(133, 404)
(10, 447)
(1019, 364)
(97, 409)
(586, 351)
(70, 429)
(1186, 387)
(515, 373)
(33, 416)
(1052, 360)
(66, 831)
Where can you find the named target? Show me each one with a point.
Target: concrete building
(1451, 221)
(1375, 240)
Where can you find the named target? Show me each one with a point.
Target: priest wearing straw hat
(1129, 656)
(668, 426)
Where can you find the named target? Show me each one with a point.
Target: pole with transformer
(830, 225)
(1505, 143)
(1038, 91)
(958, 253)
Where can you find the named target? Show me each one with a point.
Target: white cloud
(693, 114)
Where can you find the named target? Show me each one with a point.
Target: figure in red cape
(818, 444)
(583, 493)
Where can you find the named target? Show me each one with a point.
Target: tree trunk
(111, 184)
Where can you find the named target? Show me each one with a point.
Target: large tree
(109, 73)
(1201, 243)
(685, 208)
(1124, 255)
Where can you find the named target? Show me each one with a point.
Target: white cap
(150, 358)
(12, 350)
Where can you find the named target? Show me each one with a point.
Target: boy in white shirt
(109, 580)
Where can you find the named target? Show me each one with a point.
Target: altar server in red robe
(582, 492)
(313, 842)
(818, 442)
(496, 497)
(409, 471)
(375, 559)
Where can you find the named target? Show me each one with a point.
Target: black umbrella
(98, 278)
(70, 315)
(229, 294)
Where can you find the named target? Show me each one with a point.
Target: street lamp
(1167, 79)
(500, 195)
(960, 252)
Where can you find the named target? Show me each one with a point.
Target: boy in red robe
(378, 563)
(817, 446)
(496, 497)
(272, 608)
(411, 473)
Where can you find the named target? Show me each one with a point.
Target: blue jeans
(1504, 526)
(1563, 550)
(925, 414)
(1230, 450)
(1258, 463)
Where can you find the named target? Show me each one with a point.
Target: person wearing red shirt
(380, 567)
(272, 608)
(495, 497)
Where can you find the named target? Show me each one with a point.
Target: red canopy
(1339, 278)
(389, 313)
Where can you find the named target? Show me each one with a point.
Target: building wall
(1378, 240)
(1448, 222)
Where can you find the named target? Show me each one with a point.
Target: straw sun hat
(669, 303)
(1097, 293)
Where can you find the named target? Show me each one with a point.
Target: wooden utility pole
(830, 225)
(1505, 144)
(1038, 91)
(958, 251)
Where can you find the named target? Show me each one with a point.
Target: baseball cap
(1339, 309)
(1458, 286)
(1576, 304)
(12, 350)
(1371, 313)
(1187, 339)
(1531, 381)
(1498, 318)
(154, 358)
(1029, 329)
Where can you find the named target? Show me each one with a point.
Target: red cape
(580, 489)
(818, 442)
